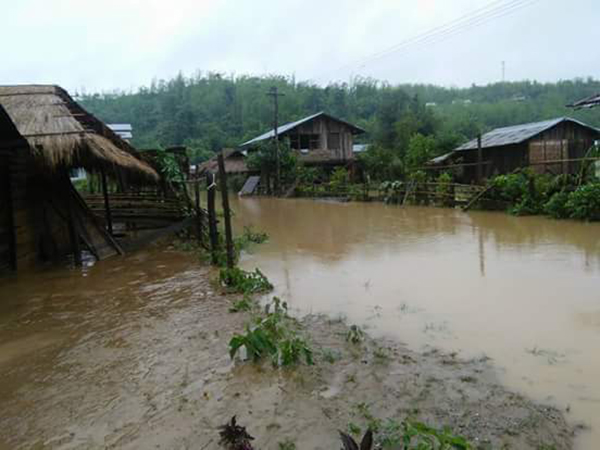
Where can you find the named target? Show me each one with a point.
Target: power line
(446, 34)
(493, 10)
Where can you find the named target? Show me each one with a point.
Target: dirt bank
(142, 362)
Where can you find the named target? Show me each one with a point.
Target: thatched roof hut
(61, 134)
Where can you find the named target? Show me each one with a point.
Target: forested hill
(211, 111)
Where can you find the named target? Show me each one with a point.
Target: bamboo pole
(198, 212)
(212, 218)
(226, 213)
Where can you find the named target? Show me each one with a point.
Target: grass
(330, 356)
(288, 444)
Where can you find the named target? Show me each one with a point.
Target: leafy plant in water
(243, 282)
(557, 206)
(355, 335)
(272, 335)
(584, 202)
(245, 304)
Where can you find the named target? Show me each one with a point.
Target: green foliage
(288, 444)
(264, 159)
(419, 436)
(169, 167)
(339, 179)
(211, 111)
(330, 356)
(444, 190)
(244, 304)
(355, 335)
(238, 280)
(584, 202)
(420, 150)
(272, 335)
(557, 206)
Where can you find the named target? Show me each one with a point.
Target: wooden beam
(109, 224)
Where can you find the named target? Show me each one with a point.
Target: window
(333, 141)
(295, 141)
(310, 142)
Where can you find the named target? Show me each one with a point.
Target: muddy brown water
(116, 355)
(523, 291)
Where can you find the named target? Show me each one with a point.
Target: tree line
(406, 123)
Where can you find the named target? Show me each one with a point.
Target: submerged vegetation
(272, 334)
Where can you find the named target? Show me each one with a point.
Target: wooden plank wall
(323, 126)
(14, 163)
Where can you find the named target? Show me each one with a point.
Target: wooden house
(44, 133)
(552, 146)
(319, 139)
(586, 103)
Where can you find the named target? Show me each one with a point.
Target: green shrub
(238, 280)
(339, 179)
(584, 202)
(557, 206)
(272, 335)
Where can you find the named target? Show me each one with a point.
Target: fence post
(226, 213)
(198, 211)
(212, 218)
(107, 211)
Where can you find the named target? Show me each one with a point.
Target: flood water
(523, 291)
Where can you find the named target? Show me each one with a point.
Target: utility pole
(275, 94)
(503, 71)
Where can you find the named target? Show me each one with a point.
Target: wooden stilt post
(12, 242)
(226, 213)
(479, 160)
(212, 218)
(73, 234)
(109, 224)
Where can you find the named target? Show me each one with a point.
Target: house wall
(329, 132)
(567, 140)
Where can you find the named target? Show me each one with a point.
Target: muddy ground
(135, 356)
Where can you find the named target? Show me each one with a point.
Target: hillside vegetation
(210, 111)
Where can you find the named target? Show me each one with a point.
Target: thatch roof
(234, 163)
(62, 134)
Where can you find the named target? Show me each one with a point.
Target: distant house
(588, 102)
(235, 163)
(319, 139)
(550, 147)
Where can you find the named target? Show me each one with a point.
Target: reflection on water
(524, 291)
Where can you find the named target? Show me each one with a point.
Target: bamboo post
(226, 213)
(479, 159)
(212, 218)
(107, 211)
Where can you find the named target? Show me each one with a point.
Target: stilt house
(319, 139)
(552, 146)
(44, 134)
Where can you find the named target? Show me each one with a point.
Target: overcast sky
(123, 44)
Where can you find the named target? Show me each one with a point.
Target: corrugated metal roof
(289, 126)
(359, 148)
(120, 126)
(516, 134)
(588, 102)
(441, 159)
